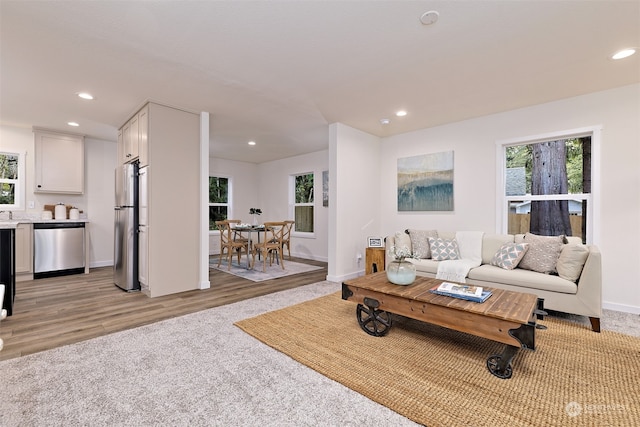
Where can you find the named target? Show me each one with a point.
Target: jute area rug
(256, 274)
(438, 377)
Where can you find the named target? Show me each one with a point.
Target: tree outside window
(9, 180)
(303, 202)
(548, 187)
(218, 200)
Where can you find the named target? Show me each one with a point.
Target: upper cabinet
(59, 163)
(133, 138)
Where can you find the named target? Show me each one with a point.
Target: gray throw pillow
(420, 242)
(542, 254)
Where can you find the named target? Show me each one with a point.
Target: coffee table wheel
(494, 363)
(372, 321)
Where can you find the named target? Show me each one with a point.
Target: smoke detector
(430, 17)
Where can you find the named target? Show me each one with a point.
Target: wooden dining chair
(229, 244)
(286, 236)
(270, 244)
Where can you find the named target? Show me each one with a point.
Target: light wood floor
(53, 312)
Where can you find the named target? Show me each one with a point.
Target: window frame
(20, 188)
(228, 204)
(593, 198)
(293, 204)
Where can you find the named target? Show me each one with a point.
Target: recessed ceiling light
(624, 53)
(385, 121)
(85, 95)
(430, 17)
(401, 113)
(251, 143)
(74, 124)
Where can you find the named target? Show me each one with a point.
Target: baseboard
(621, 307)
(97, 264)
(342, 278)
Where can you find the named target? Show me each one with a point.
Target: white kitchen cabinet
(169, 243)
(143, 136)
(24, 248)
(59, 163)
(130, 137)
(143, 259)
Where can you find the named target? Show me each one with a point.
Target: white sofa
(583, 297)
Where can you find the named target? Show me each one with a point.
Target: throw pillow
(542, 254)
(571, 261)
(509, 255)
(420, 242)
(402, 240)
(443, 249)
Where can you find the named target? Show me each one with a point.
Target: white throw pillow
(571, 261)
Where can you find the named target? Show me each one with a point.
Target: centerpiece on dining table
(400, 271)
(255, 212)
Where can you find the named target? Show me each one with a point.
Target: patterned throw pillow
(420, 242)
(542, 254)
(443, 249)
(509, 255)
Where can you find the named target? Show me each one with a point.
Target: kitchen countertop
(13, 223)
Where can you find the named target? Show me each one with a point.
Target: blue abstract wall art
(425, 183)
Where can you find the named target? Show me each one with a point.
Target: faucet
(10, 214)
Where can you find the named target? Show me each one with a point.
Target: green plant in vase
(254, 212)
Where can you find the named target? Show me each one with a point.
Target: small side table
(374, 260)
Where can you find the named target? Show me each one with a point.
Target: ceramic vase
(401, 272)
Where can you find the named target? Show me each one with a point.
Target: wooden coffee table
(506, 317)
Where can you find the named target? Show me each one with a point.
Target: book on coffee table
(457, 290)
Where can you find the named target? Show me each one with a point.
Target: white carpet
(194, 370)
(272, 272)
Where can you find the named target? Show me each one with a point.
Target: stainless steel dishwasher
(58, 249)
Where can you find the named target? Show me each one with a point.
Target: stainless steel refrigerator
(125, 259)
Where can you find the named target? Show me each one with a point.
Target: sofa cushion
(425, 265)
(509, 255)
(523, 278)
(491, 243)
(542, 254)
(443, 249)
(420, 242)
(571, 260)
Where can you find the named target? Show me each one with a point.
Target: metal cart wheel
(372, 321)
(494, 363)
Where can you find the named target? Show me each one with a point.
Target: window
(11, 181)
(303, 202)
(548, 186)
(219, 190)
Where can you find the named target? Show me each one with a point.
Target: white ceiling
(279, 72)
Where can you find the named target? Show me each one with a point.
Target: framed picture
(375, 242)
(425, 182)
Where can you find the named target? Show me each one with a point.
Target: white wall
(265, 186)
(273, 199)
(97, 200)
(474, 145)
(355, 201)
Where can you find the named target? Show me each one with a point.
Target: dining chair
(237, 234)
(271, 244)
(229, 244)
(286, 236)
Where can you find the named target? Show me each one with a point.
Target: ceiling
(279, 72)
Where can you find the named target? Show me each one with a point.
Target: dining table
(249, 229)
